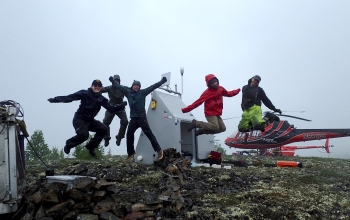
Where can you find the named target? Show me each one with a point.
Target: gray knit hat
(257, 78)
(136, 83)
(116, 77)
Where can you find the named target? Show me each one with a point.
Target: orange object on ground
(282, 163)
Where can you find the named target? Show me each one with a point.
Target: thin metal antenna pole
(182, 83)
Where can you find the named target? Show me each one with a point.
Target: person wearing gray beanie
(137, 98)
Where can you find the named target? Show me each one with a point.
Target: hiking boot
(92, 152)
(131, 156)
(118, 141)
(66, 149)
(160, 155)
(106, 142)
(192, 125)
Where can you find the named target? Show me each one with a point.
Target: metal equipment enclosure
(12, 174)
(169, 125)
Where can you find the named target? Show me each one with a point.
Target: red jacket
(212, 98)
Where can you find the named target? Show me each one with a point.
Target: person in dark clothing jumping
(138, 119)
(252, 96)
(115, 97)
(91, 101)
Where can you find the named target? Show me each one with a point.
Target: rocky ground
(175, 189)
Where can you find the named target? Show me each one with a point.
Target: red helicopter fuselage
(280, 133)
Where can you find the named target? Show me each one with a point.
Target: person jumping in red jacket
(213, 105)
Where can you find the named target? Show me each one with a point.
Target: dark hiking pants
(135, 123)
(123, 123)
(82, 129)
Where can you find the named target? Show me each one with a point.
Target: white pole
(182, 84)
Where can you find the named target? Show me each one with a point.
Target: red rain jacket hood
(210, 77)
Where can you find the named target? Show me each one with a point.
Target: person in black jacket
(252, 96)
(136, 99)
(91, 101)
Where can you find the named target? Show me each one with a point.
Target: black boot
(66, 149)
(118, 140)
(92, 152)
(107, 141)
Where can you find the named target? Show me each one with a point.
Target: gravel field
(177, 189)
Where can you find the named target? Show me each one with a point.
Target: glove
(52, 100)
(163, 80)
(119, 107)
(278, 110)
(111, 79)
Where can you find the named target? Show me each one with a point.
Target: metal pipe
(170, 91)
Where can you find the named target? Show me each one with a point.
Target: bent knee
(83, 136)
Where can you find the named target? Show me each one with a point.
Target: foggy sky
(300, 49)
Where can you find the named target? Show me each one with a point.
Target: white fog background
(301, 50)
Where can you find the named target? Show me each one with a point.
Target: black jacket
(137, 99)
(254, 96)
(116, 96)
(90, 103)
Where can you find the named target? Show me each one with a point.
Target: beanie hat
(136, 83)
(257, 78)
(96, 82)
(116, 77)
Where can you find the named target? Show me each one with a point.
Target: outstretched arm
(196, 103)
(69, 98)
(116, 85)
(105, 89)
(230, 93)
(149, 89)
(267, 101)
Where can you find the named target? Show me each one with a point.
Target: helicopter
(278, 133)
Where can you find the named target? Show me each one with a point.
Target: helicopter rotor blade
(289, 116)
(295, 111)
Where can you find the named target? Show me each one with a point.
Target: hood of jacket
(209, 77)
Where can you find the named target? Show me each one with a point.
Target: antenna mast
(182, 83)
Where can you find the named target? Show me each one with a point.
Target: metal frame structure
(12, 173)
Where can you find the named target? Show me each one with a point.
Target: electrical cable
(20, 113)
(30, 144)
